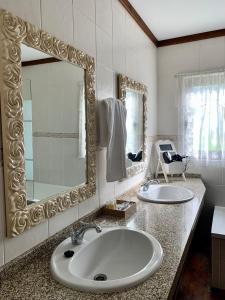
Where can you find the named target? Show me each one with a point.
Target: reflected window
(134, 122)
(28, 136)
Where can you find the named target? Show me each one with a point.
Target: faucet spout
(78, 235)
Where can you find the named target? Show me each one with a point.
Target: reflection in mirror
(134, 126)
(134, 96)
(54, 124)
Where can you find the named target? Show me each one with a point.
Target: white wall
(195, 56)
(104, 30)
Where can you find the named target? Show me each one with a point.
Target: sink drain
(100, 277)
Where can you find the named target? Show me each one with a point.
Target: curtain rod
(200, 72)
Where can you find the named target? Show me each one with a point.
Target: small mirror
(54, 124)
(134, 126)
(133, 94)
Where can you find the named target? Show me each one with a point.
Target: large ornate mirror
(54, 124)
(48, 124)
(134, 96)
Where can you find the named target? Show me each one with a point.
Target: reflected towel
(113, 135)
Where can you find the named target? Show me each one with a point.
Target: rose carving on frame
(19, 222)
(19, 215)
(14, 104)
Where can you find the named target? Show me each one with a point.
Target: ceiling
(176, 18)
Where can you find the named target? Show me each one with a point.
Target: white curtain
(82, 122)
(202, 115)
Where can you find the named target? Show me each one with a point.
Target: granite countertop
(171, 224)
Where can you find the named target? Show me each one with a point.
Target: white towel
(112, 134)
(102, 127)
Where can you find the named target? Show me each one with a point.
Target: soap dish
(128, 210)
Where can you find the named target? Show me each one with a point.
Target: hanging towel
(113, 135)
(102, 127)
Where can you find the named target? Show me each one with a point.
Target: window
(203, 115)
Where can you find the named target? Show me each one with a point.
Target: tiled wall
(196, 56)
(104, 30)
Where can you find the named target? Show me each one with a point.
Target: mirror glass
(135, 126)
(54, 124)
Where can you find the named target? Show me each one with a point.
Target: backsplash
(103, 29)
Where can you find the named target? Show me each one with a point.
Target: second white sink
(115, 259)
(165, 194)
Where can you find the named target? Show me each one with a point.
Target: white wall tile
(133, 33)
(105, 86)
(18, 245)
(131, 63)
(104, 15)
(119, 39)
(122, 186)
(28, 10)
(86, 7)
(62, 220)
(85, 38)
(107, 189)
(104, 48)
(57, 18)
(88, 206)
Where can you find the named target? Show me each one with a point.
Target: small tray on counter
(125, 213)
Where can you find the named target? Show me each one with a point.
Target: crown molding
(192, 38)
(131, 10)
(168, 42)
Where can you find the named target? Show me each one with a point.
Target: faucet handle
(82, 223)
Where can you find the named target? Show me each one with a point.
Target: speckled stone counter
(171, 224)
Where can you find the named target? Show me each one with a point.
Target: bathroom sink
(165, 194)
(116, 258)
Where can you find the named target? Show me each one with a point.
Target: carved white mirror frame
(13, 32)
(125, 83)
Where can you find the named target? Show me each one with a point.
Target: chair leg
(165, 174)
(157, 169)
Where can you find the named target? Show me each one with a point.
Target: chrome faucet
(148, 182)
(78, 235)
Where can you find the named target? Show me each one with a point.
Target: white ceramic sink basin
(126, 256)
(165, 194)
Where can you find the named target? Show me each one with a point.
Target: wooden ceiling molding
(131, 10)
(174, 41)
(192, 38)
